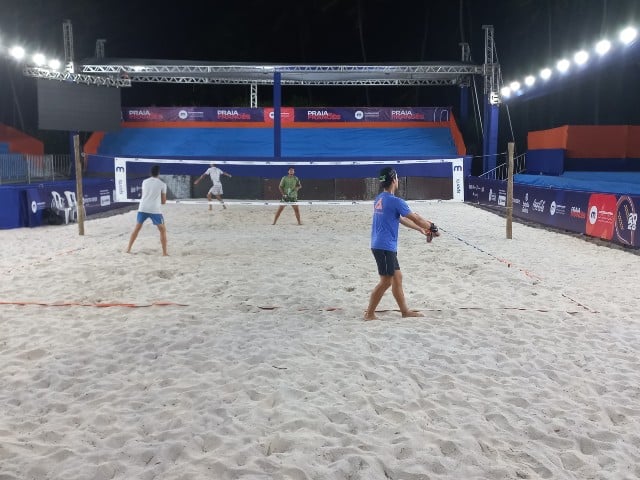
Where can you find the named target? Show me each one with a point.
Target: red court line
(98, 305)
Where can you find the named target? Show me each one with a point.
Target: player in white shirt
(216, 189)
(154, 194)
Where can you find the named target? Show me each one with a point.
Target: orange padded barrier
(633, 142)
(20, 142)
(597, 141)
(91, 145)
(284, 126)
(457, 136)
(548, 139)
(589, 141)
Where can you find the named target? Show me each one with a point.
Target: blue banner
(291, 114)
(606, 216)
(42, 199)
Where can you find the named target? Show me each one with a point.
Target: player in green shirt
(289, 186)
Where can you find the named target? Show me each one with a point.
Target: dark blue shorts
(156, 218)
(387, 261)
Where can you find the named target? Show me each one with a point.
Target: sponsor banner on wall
(601, 212)
(626, 221)
(387, 114)
(97, 198)
(287, 114)
(606, 216)
(192, 114)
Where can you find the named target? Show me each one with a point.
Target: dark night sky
(529, 34)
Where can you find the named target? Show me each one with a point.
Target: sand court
(243, 355)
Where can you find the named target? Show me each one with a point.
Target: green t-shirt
(288, 185)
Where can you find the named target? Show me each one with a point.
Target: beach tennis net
(326, 180)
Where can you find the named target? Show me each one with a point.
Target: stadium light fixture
(39, 59)
(17, 52)
(581, 57)
(514, 86)
(54, 64)
(563, 65)
(628, 35)
(505, 92)
(603, 46)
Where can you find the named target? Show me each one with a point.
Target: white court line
(188, 201)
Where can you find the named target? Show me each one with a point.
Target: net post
(79, 193)
(510, 146)
(120, 178)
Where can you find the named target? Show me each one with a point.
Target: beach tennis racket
(432, 232)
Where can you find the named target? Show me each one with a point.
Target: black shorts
(387, 261)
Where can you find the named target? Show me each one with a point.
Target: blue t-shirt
(387, 210)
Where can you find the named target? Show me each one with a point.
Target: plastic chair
(73, 205)
(58, 204)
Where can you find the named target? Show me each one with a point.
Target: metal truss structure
(76, 77)
(122, 72)
(152, 71)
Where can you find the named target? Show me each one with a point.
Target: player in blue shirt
(389, 212)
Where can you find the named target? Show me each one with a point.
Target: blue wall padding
(11, 213)
(545, 162)
(595, 184)
(621, 177)
(4, 147)
(602, 164)
(296, 142)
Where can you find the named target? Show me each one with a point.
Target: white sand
(267, 370)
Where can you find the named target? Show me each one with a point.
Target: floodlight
(581, 57)
(505, 92)
(545, 73)
(39, 59)
(530, 80)
(17, 52)
(603, 46)
(628, 35)
(54, 64)
(514, 86)
(563, 65)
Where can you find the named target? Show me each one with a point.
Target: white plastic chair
(73, 205)
(58, 204)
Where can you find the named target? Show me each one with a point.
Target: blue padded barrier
(584, 184)
(296, 142)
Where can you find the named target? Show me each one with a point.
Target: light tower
(67, 33)
(100, 47)
(491, 101)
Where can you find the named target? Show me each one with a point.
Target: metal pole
(510, 147)
(79, 194)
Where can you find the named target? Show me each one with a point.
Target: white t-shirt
(214, 173)
(151, 199)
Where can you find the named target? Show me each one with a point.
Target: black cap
(387, 174)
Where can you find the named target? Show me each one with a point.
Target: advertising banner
(97, 197)
(626, 221)
(192, 114)
(287, 114)
(606, 216)
(363, 115)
